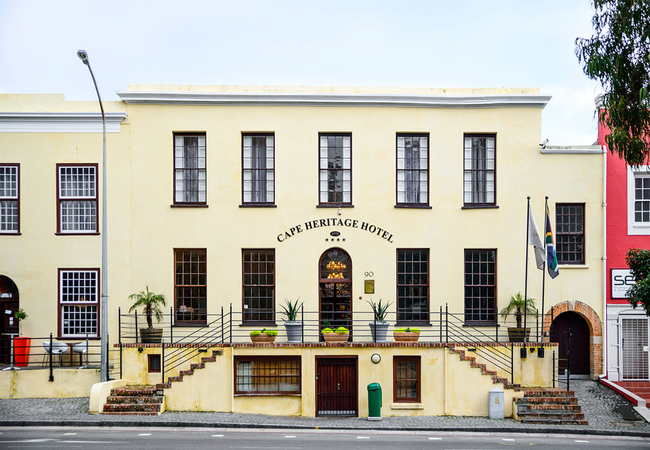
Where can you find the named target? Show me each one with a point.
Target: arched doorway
(9, 301)
(335, 289)
(571, 331)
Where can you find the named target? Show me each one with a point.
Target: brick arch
(595, 330)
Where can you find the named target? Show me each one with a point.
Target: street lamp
(83, 56)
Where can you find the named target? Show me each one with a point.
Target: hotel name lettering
(335, 222)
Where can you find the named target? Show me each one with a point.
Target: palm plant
(291, 309)
(380, 310)
(519, 306)
(151, 305)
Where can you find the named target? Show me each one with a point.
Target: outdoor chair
(82, 349)
(58, 348)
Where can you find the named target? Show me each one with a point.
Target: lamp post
(83, 56)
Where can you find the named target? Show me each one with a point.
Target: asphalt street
(226, 438)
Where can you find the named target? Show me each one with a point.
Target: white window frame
(78, 202)
(80, 302)
(633, 227)
(258, 170)
(190, 170)
(10, 199)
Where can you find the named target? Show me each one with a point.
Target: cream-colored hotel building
(229, 200)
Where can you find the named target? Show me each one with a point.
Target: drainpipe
(605, 340)
(446, 375)
(232, 375)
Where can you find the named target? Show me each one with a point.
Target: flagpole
(523, 353)
(544, 269)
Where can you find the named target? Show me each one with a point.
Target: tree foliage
(639, 263)
(618, 56)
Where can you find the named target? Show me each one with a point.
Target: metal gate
(634, 349)
(336, 386)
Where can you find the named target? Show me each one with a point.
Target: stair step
(132, 407)
(553, 407)
(135, 392)
(130, 413)
(553, 421)
(551, 400)
(548, 393)
(114, 399)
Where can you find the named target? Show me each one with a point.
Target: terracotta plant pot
(406, 337)
(263, 339)
(336, 337)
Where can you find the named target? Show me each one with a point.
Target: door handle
(338, 386)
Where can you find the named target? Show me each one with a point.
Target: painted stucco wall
(68, 383)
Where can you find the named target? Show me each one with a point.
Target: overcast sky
(425, 43)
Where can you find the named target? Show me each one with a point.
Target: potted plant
(263, 336)
(341, 334)
(379, 326)
(408, 334)
(21, 344)
(150, 303)
(293, 327)
(518, 306)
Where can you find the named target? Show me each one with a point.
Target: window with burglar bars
(480, 170)
(412, 169)
(259, 285)
(634, 341)
(413, 285)
(77, 198)
(406, 379)
(480, 286)
(9, 198)
(641, 199)
(78, 303)
(189, 169)
(570, 234)
(335, 179)
(258, 180)
(190, 290)
(267, 375)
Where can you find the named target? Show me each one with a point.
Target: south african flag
(551, 257)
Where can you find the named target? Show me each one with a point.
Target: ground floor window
(406, 379)
(267, 375)
(153, 365)
(190, 290)
(78, 303)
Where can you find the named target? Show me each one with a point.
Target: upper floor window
(413, 285)
(570, 234)
(412, 169)
(77, 187)
(9, 198)
(259, 285)
(638, 200)
(190, 286)
(480, 286)
(258, 180)
(189, 169)
(479, 170)
(78, 303)
(335, 179)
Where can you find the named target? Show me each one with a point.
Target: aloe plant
(291, 309)
(379, 310)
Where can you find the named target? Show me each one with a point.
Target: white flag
(535, 240)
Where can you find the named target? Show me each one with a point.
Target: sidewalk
(607, 412)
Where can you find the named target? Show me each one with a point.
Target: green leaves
(639, 263)
(150, 303)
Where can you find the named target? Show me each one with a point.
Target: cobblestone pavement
(607, 413)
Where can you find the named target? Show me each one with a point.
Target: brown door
(336, 386)
(571, 332)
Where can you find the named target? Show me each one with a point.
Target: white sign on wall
(622, 281)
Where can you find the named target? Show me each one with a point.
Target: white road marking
(69, 434)
(584, 442)
(217, 435)
(435, 439)
(363, 437)
(144, 434)
(504, 439)
(290, 437)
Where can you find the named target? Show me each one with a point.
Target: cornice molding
(384, 100)
(59, 122)
(574, 150)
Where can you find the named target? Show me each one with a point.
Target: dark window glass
(335, 179)
(259, 285)
(480, 286)
(406, 379)
(258, 185)
(189, 169)
(479, 170)
(570, 224)
(412, 169)
(190, 286)
(412, 285)
(267, 375)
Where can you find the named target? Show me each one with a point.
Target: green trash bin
(374, 401)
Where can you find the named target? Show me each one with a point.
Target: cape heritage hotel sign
(335, 222)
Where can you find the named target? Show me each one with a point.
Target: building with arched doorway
(231, 200)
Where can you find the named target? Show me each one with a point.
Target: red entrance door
(336, 386)
(571, 332)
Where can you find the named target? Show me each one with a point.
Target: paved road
(224, 438)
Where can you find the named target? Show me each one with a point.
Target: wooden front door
(571, 332)
(336, 386)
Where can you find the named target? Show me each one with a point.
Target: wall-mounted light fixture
(375, 358)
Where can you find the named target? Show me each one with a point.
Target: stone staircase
(149, 400)
(484, 370)
(550, 406)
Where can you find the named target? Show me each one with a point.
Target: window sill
(10, 234)
(269, 394)
(189, 324)
(573, 266)
(257, 205)
(406, 406)
(258, 324)
(96, 233)
(187, 205)
(412, 323)
(481, 324)
(413, 206)
(334, 205)
(479, 207)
